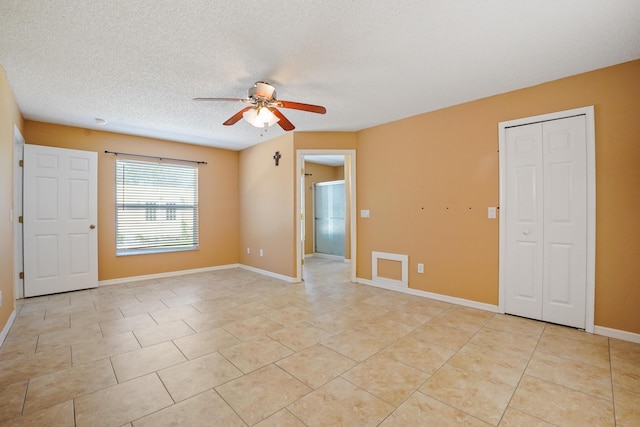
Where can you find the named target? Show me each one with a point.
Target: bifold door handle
(92, 226)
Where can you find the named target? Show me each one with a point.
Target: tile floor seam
(24, 399)
(522, 376)
(229, 404)
(452, 407)
(168, 392)
(613, 394)
(569, 358)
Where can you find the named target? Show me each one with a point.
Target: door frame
(350, 164)
(588, 112)
(18, 240)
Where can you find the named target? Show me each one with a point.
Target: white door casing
(18, 150)
(547, 227)
(350, 165)
(60, 218)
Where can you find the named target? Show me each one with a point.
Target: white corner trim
(617, 334)
(404, 259)
(438, 297)
(270, 274)
(5, 330)
(164, 275)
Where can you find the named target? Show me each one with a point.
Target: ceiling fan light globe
(260, 117)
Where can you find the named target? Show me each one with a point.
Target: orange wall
(319, 173)
(429, 179)
(325, 140)
(218, 198)
(9, 116)
(267, 206)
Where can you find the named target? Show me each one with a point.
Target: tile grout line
(613, 394)
(522, 376)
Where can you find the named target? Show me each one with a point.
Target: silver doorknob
(92, 226)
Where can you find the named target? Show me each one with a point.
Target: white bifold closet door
(546, 214)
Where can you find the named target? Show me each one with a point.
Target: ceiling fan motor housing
(262, 90)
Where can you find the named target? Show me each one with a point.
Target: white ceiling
(139, 63)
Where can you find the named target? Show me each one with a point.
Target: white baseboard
(617, 333)
(269, 273)
(164, 275)
(431, 295)
(5, 330)
(598, 330)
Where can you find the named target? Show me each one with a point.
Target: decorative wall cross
(277, 158)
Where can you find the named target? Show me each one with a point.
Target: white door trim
(588, 112)
(350, 156)
(18, 150)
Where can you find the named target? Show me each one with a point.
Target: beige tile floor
(234, 348)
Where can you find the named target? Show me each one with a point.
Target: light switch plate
(491, 212)
(364, 213)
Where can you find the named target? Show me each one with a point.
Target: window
(156, 207)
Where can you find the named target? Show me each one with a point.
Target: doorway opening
(325, 166)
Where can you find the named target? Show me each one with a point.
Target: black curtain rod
(155, 157)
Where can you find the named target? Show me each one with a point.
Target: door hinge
(20, 219)
(302, 171)
(21, 275)
(302, 262)
(302, 216)
(21, 163)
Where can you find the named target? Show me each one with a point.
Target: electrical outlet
(261, 253)
(248, 251)
(420, 268)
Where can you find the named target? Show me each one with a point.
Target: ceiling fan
(263, 112)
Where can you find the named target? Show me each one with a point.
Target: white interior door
(546, 221)
(524, 221)
(565, 221)
(60, 213)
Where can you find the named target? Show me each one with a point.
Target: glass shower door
(329, 217)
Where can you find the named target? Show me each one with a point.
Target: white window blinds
(156, 207)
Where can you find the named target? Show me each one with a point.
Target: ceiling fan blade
(299, 106)
(223, 99)
(283, 122)
(237, 116)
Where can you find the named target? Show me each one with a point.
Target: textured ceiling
(139, 63)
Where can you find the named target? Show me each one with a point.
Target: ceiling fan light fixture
(260, 117)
